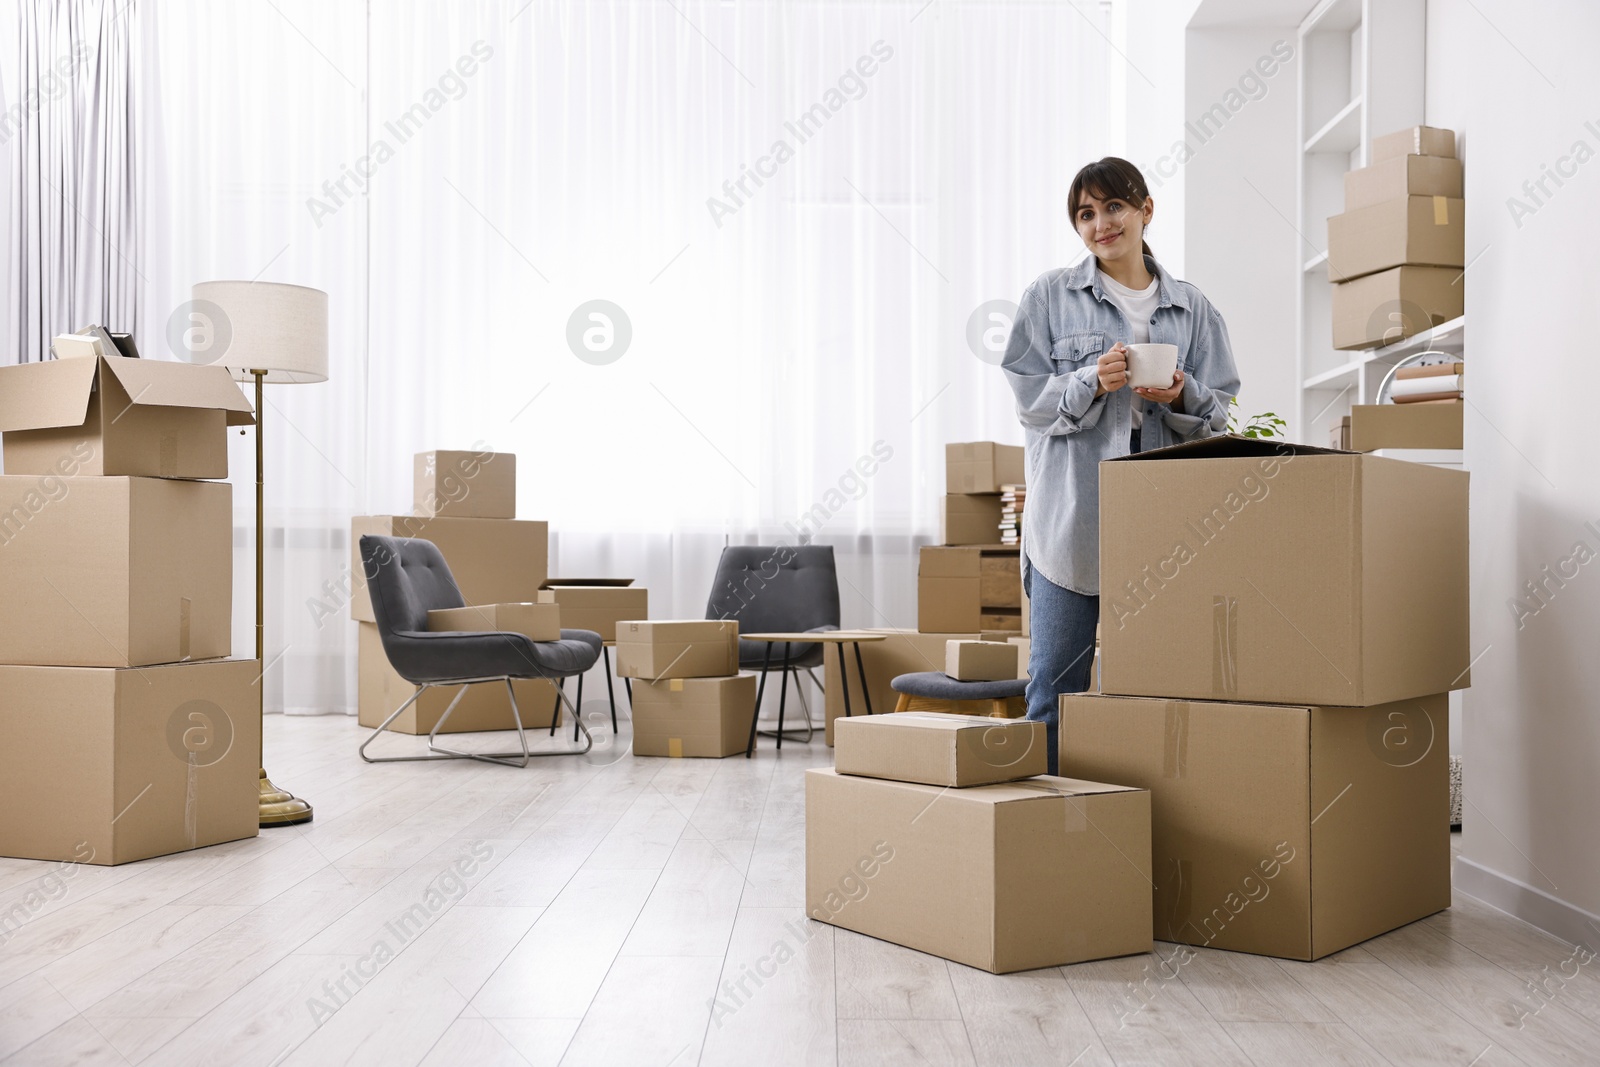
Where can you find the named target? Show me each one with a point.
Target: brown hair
(1106, 179)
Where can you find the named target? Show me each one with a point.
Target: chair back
(776, 588)
(407, 577)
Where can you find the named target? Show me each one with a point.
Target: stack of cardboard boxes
(129, 733)
(690, 699)
(942, 833)
(1281, 628)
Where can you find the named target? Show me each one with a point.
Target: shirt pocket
(1074, 350)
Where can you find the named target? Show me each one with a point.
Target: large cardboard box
(688, 648)
(970, 519)
(981, 467)
(597, 608)
(111, 416)
(114, 572)
(1420, 230)
(1413, 141)
(1248, 570)
(1382, 308)
(105, 765)
(935, 748)
(980, 661)
(953, 581)
(1375, 426)
(679, 717)
(900, 652)
(536, 622)
(494, 561)
(1290, 831)
(465, 485)
(484, 707)
(1008, 877)
(1401, 176)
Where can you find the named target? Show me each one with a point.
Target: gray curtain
(67, 126)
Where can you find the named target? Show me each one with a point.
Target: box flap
(1050, 786)
(45, 395)
(559, 583)
(181, 385)
(1229, 446)
(935, 720)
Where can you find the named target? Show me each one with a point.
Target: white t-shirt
(1138, 306)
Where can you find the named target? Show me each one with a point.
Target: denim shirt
(1064, 324)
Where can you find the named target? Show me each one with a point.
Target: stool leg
(903, 703)
(866, 697)
(611, 691)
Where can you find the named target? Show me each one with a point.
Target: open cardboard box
(597, 608)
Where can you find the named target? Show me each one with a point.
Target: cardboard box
(1339, 434)
(1401, 176)
(1024, 650)
(950, 589)
(970, 519)
(465, 485)
(536, 622)
(1374, 426)
(900, 652)
(1392, 305)
(106, 766)
(1409, 230)
(708, 717)
(1000, 581)
(980, 661)
(494, 561)
(115, 572)
(940, 749)
(1290, 831)
(597, 608)
(1006, 878)
(113, 416)
(484, 707)
(982, 467)
(693, 648)
(1249, 570)
(1413, 141)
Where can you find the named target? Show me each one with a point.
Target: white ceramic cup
(1152, 366)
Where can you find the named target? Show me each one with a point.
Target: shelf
(1317, 264)
(1447, 335)
(1332, 379)
(1341, 134)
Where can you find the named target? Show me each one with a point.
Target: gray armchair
(408, 578)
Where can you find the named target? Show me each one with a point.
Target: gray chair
(408, 578)
(778, 589)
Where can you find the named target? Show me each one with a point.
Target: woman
(1066, 362)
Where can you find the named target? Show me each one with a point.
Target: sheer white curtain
(797, 207)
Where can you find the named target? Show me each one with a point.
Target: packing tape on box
(1441, 211)
(675, 685)
(1180, 895)
(1175, 744)
(185, 616)
(675, 747)
(1224, 646)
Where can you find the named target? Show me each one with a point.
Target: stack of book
(1012, 498)
(1435, 383)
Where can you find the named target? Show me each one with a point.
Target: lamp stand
(277, 807)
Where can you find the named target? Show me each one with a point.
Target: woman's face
(1111, 228)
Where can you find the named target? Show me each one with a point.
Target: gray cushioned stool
(937, 691)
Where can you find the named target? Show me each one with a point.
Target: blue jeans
(1061, 650)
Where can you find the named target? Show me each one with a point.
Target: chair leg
(580, 707)
(611, 691)
(525, 754)
(384, 725)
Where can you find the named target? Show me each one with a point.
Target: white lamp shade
(268, 326)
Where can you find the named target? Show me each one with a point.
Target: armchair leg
(510, 759)
(555, 711)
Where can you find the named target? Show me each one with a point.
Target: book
(1439, 383)
(1432, 370)
(1427, 398)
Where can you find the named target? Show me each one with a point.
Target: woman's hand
(1113, 369)
(1169, 396)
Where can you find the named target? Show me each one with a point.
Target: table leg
(866, 696)
(755, 713)
(844, 680)
(783, 691)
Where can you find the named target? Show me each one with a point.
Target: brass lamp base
(279, 808)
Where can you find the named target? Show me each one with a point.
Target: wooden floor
(608, 902)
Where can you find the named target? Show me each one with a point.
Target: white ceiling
(1251, 13)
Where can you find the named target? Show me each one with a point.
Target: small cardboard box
(113, 416)
(1010, 877)
(935, 748)
(950, 589)
(536, 622)
(1250, 570)
(494, 561)
(597, 608)
(692, 648)
(1413, 141)
(900, 652)
(1024, 650)
(970, 519)
(465, 485)
(1382, 308)
(1290, 831)
(981, 467)
(1408, 230)
(484, 707)
(1375, 426)
(980, 661)
(707, 717)
(1401, 176)
(115, 572)
(106, 765)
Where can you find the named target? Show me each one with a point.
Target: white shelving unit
(1360, 75)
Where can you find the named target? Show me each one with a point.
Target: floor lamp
(268, 332)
